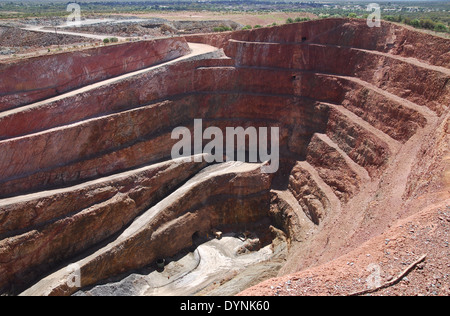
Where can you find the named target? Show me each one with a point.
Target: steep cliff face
(31, 80)
(354, 106)
(389, 38)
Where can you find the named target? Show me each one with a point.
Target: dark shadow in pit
(123, 287)
(281, 179)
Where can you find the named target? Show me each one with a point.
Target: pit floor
(216, 267)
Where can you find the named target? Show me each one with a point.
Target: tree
(222, 29)
(415, 23)
(106, 41)
(440, 28)
(301, 19)
(289, 21)
(427, 24)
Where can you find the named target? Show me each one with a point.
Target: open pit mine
(91, 201)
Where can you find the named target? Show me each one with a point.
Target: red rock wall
(389, 38)
(94, 148)
(393, 74)
(34, 79)
(114, 144)
(96, 211)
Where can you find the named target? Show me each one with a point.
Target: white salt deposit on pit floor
(212, 263)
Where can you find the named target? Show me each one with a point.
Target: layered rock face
(35, 79)
(87, 176)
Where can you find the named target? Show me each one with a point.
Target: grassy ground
(243, 18)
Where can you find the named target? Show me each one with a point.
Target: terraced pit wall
(345, 108)
(34, 79)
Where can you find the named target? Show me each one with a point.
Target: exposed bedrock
(389, 38)
(394, 74)
(86, 175)
(100, 146)
(226, 195)
(64, 222)
(35, 79)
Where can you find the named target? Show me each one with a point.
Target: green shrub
(439, 27)
(427, 24)
(415, 23)
(257, 26)
(352, 15)
(247, 27)
(392, 18)
(114, 39)
(297, 20)
(222, 29)
(289, 21)
(106, 41)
